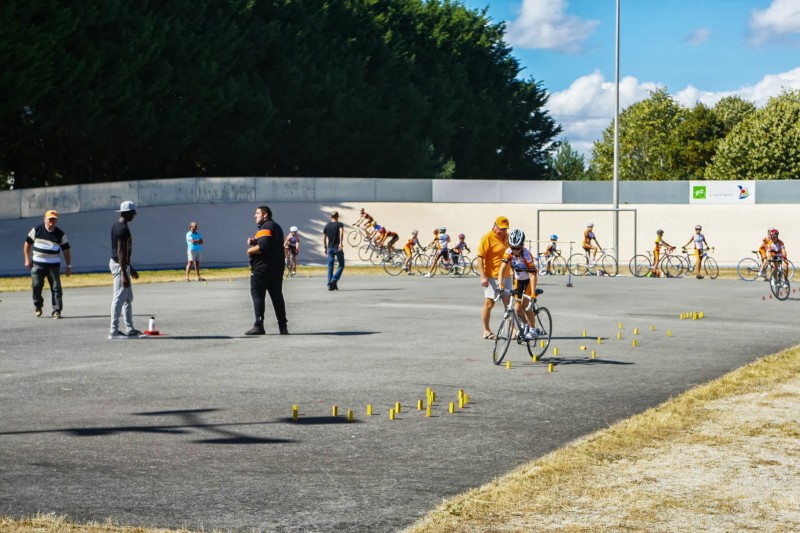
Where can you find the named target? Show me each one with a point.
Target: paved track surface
(194, 429)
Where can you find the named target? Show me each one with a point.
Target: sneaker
(116, 334)
(56, 314)
(699, 276)
(410, 273)
(256, 330)
(133, 333)
(37, 311)
(427, 275)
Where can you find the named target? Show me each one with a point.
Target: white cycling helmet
(414, 232)
(516, 238)
(293, 229)
(590, 225)
(442, 229)
(698, 227)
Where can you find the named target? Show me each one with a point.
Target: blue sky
(700, 50)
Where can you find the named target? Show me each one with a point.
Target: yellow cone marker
(335, 410)
(599, 340)
(295, 413)
(635, 331)
(397, 407)
(428, 411)
(452, 408)
(702, 314)
(369, 409)
(508, 364)
(541, 344)
(550, 367)
(391, 414)
(652, 327)
(466, 398)
(619, 335)
(635, 343)
(594, 354)
(555, 351)
(349, 415)
(584, 333)
(461, 403)
(533, 358)
(419, 405)
(669, 333)
(583, 348)
(620, 325)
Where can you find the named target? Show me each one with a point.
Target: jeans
(262, 283)
(339, 256)
(123, 298)
(53, 275)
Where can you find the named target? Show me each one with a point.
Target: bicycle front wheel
(394, 263)
(377, 257)
(474, 267)
(747, 269)
(639, 266)
(791, 270)
(460, 267)
(779, 285)
(609, 265)
(544, 323)
(421, 264)
(711, 268)
(503, 339)
(578, 264)
(559, 266)
(354, 238)
(365, 252)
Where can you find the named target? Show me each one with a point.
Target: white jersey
(699, 241)
(443, 238)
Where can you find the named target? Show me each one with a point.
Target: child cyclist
(291, 247)
(520, 260)
(551, 250)
(441, 241)
(458, 249)
(409, 250)
(657, 251)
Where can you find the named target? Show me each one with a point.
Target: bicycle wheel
(711, 268)
(578, 264)
(503, 339)
(747, 269)
(791, 270)
(421, 264)
(544, 323)
(365, 252)
(468, 265)
(377, 257)
(609, 265)
(459, 268)
(559, 267)
(779, 285)
(640, 265)
(474, 267)
(672, 266)
(354, 238)
(393, 264)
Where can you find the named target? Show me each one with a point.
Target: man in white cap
(123, 271)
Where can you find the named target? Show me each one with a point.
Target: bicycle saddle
(539, 291)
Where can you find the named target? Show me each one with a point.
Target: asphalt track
(194, 429)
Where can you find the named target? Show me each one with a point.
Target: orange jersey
(588, 235)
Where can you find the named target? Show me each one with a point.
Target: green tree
(733, 109)
(566, 163)
(765, 145)
(694, 141)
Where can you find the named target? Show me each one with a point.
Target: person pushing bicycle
(700, 245)
(520, 260)
(657, 251)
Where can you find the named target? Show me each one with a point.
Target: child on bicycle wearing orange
(408, 249)
(441, 242)
(519, 259)
(588, 237)
(777, 250)
(657, 251)
(762, 251)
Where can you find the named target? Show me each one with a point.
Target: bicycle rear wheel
(365, 252)
(675, 266)
(791, 270)
(578, 264)
(354, 238)
(503, 339)
(639, 265)
(747, 269)
(544, 323)
(779, 285)
(377, 257)
(393, 264)
(711, 268)
(460, 267)
(559, 266)
(421, 264)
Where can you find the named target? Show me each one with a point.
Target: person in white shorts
(194, 245)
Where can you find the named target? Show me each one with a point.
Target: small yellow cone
(669, 333)
(555, 351)
(295, 412)
(335, 410)
(428, 411)
(599, 340)
(594, 354)
(452, 408)
(584, 333)
(349, 415)
(369, 409)
(635, 343)
(620, 325)
(391, 414)
(652, 327)
(397, 407)
(508, 364)
(619, 336)
(635, 331)
(419, 405)
(533, 359)
(550, 367)
(583, 348)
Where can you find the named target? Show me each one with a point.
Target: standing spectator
(491, 250)
(266, 271)
(700, 246)
(122, 271)
(194, 243)
(333, 238)
(48, 242)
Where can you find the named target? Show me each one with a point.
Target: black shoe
(335, 285)
(330, 287)
(699, 276)
(256, 330)
(284, 330)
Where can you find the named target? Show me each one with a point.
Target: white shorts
(193, 255)
(490, 290)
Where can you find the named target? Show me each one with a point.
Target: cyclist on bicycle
(365, 220)
(379, 236)
(408, 249)
(777, 251)
(657, 251)
(762, 251)
(441, 242)
(519, 259)
(588, 237)
(391, 238)
(551, 250)
(291, 247)
(435, 240)
(700, 245)
(458, 249)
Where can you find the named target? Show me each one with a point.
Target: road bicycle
(512, 327)
(748, 268)
(291, 265)
(709, 264)
(670, 265)
(778, 283)
(552, 265)
(356, 236)
(373, 253)
(581, 264)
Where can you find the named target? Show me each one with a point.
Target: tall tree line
(106, 90)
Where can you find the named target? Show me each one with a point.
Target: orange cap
(502, 222)
(51, 214)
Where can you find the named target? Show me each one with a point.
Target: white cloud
(586, 108)
(779, 22)
(545, 24)
(698, 36)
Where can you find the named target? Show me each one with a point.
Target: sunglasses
(516, 248)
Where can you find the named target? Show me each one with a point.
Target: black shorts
(292, 250)
(519, 286)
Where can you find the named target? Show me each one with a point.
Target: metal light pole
(616, 144)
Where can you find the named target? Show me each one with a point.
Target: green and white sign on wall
(722, 192)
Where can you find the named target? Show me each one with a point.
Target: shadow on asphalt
(339, 333)
(318, 420)
(562, 361)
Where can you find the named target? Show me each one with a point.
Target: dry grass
(101, 279)
(58, 524)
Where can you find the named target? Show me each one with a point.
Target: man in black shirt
(123, 271)
(333, 239)
(266, 270)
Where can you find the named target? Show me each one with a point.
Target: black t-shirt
(269, 239)
(120, 233)
(332, 231)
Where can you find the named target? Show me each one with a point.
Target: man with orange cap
(47, 242)
(491, 249)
